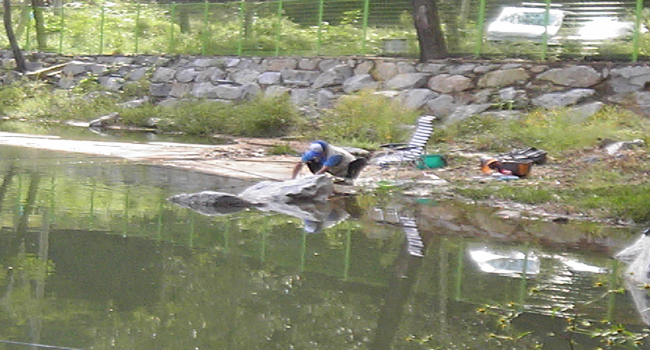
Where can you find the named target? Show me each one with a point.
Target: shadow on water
(95, 257)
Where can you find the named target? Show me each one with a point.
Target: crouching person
(324, 158)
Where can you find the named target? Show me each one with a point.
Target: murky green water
(95, 257)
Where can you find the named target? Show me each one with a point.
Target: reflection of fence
(295, 28)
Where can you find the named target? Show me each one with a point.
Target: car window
(532, 18)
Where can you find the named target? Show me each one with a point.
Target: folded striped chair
(402, 153)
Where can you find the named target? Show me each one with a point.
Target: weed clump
(366, 120)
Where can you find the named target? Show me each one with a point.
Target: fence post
(62, 30)
(547, 18)
(137, 25)
(366, 10)
(481, 24)
(278, 34)
(172, 14)
(320, 27)
(101, 32)
(242, 9)
(637, 30)
(206, 28)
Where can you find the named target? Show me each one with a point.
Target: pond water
(93, 256)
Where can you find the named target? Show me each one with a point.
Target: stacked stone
(451, 90)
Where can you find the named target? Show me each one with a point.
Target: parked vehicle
(528, 24)
(605, 28)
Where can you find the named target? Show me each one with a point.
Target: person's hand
(506, 172)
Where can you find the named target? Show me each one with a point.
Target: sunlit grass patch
(622, 201)
(555, 130)
(281, 149)
(367, 118)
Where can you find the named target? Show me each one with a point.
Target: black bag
(536, 156)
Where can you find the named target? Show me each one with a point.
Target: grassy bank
(579, 178)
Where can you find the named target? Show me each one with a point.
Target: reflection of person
(323, 157)
(489, 166)
(336, 215)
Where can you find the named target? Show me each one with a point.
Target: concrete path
(187, 156)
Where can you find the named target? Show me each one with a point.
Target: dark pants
(354, 169)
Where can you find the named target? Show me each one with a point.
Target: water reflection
(95, 257)
(637, 274)
(507, 263)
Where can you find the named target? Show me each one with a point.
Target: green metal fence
(310, 28)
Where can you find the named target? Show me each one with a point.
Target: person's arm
(322, 170)
(329, 163)
(296, 170)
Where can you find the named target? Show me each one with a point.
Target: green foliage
(36, 101)
(11, 95)
(261, 117)
(558, 131)
(196, 117)
(139, 116)
(258, 30)
(88, 84)
(138, 88)
(265, 117)
(124, 27)
(555, 130)
(366, 118)
(283, 149)
(612, 187)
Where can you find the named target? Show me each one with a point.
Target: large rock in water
(304, 198)
(316, 188)
(212, 203)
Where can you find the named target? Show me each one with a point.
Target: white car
(526, 24)
(605, 28)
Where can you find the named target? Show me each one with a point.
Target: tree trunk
(18, 54)
(39, 21)
(429, 30)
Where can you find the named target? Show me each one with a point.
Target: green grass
(366, 119)
(552, 130)
(283, 149)
(611, 188)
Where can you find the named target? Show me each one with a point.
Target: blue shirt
(321, 157)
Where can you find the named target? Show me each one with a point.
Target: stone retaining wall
(449, 89)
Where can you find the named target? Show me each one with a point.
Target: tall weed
(265, 117)
(197, 117)
(558, 129)
(367, 118)
(555, 130)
